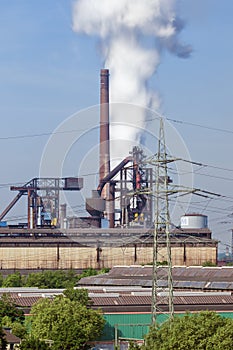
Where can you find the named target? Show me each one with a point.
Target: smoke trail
(133, 35)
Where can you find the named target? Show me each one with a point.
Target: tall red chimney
(104, 127)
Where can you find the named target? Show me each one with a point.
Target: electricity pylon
(162, 276)
(162, 282)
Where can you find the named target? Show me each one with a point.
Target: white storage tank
(194, 221)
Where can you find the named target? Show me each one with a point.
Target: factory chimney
(104, 128)
(108, 192)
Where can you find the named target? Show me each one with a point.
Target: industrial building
(100, 249)
(124, 296)
(123, 199)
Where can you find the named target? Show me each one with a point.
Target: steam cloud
(133, 35)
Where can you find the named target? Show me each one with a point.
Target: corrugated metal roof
(146, 300)
(122, 300)
(25, 301)
(198, 277)
(109, 300)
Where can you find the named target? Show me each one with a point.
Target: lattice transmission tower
(162, 283)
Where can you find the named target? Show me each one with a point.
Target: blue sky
(48, 72)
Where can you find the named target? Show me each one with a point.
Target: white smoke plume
(133, 34)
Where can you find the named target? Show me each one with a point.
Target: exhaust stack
(104, 128)
(108, 192)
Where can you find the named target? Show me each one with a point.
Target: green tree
(80, 295)
(223, 338)
(52, 279)
(13, 280)
(1, 280)
(202, 331)
(17, 327)
(88, 272)
(31, 343)
(68, 323)
(133, 345)
(9, 308)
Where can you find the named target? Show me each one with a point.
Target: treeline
(47, 279)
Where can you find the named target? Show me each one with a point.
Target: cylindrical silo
(194, 221)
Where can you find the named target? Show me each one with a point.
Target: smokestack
(104, 127)
(108, 191)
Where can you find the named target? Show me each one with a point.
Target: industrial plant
(119, 225)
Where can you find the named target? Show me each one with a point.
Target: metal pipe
(12, 203)
(65, 223)
(39, 211)
(31, 214)
(113, 173)
(62, 215)
(112, 204)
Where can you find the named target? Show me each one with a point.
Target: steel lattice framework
(162, 276)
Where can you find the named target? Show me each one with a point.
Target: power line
(215, 177)
(200, 125)
(208, 127)
(41, 134)
(207, 165)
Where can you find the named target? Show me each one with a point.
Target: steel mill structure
(124, 199)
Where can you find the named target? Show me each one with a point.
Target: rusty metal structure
(132, 204)
(130, 193)
(43, 199)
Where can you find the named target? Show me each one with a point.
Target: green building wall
(135, 326)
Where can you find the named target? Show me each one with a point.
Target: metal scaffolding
(43, 199)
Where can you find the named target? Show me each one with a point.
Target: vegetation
(31, 343)
(18, 328)
(8, 308)
(47, 279)
(133, 345)
(80, 295)
(68, 323)
(1, 280)
(13, 280)
(159, 263)
(3, 342)
(203, 331)
(51, 279)
(63, 323)
(10, 316)
(209, 264)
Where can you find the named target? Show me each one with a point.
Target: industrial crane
(43, 199)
